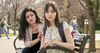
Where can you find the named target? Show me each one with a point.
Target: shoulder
(65, 25)
(40, 26)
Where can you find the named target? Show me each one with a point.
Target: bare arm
(40, 37)
(6, 24)
(33, 42)
(42, 41)
(69, 39)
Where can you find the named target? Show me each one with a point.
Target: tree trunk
(15, 17)
(15, 23)
(93, 13)
(8, 20)
(92, 47)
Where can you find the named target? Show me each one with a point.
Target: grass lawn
(97, 31)
(10, 35)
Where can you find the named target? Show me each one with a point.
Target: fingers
(47, 43)
(40, 35)
(44, 45)
(51, 44)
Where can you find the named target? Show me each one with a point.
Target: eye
(31, 14)
(27, 16)
(52, 11)
(46, 11)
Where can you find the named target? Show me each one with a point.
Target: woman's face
(50, 14)
(30, 17)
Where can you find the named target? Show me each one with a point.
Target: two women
(30, 25)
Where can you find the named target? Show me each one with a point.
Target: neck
(52, 23)
(33, 25)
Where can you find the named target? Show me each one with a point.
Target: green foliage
(94, 3)
(97, 31)
(81, 30)
(10, 35)
(97, 23)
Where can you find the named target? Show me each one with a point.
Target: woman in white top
(52, 36)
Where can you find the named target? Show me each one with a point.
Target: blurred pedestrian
(74, 25)
(4, 26)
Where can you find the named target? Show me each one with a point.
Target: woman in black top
(29, 30)
(34, 48)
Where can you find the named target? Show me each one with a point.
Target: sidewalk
(97, 40)
(6, 45)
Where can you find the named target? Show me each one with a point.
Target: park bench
(17, 49)
(80, 42)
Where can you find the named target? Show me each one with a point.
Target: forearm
(33, 42)
(66, 45)
(42, 41)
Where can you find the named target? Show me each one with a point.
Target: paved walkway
(6, 45)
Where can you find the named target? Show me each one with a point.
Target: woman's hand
(49, 42)
(52, 43)
(45, 43)
(40, 35)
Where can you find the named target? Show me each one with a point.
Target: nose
(49, 13)
(30, 17)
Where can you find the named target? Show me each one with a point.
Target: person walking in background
(52, 36)
(74, 25)
(4, 26)
(29, 29)
(0, 27)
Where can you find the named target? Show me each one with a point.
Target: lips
(49, 17)
(30, 20)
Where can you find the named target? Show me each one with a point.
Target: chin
(32, 22)
(49, 19)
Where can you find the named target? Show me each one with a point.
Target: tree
(90, 11)
(17, 6)
(93, 14)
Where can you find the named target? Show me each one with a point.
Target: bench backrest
(80, 43)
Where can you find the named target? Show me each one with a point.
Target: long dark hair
(53, 5)
(24, 24)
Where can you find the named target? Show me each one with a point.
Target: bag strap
(44, 30)
(61, 32)
(60, 29)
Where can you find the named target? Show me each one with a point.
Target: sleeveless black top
(36, 47)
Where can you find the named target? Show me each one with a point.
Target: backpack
(60, 29)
